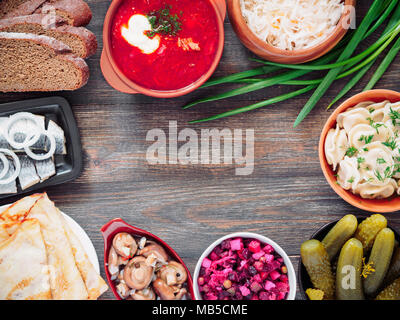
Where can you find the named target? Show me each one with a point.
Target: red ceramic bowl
(116, 78)
(115, 226)
(381, 206)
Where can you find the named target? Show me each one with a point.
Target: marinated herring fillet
(316, 261)
(82, 42)
(39, 63)
(339, 234)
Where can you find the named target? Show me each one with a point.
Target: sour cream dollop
(136, 36)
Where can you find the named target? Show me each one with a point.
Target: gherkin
(316, 261)
(391, 292)
(348, 273)
(381, 255)
(315, 294)
(369, 229)
(342, 231)
(394, 269)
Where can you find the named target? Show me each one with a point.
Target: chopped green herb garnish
(351, 151)
(164, 22)
(391, 143)
(395, 116)
(366, 139)
(351, 180)
(380, 161)
(379, 176)
(388, 173)
(366, 149)
(371, 110)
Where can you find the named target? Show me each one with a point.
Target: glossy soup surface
(170, 67)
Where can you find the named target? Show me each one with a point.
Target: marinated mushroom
(145, 294)
(125, 245)
(137, 274)
(166, 292)
(156, 250)
(123, 290)
(173, 273)
(113, 263)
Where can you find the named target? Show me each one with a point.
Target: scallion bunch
(339, 63)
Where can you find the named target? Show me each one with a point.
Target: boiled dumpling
(391, 111)
(336, 144)
(363, 134)
(377, 110)
(348, 175)
(376, 163)
(370, 190)
(353, 117)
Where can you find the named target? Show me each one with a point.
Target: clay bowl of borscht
(162, 48)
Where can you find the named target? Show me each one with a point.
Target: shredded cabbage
(292, 24)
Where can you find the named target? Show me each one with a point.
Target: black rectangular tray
(69, 166)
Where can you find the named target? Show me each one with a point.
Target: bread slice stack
(43, 45)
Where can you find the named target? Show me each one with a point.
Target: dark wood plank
(286, 198)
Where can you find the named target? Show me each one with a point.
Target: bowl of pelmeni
(359, 151)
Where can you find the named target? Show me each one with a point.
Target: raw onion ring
(17, 167)
(29, 141)
(47, 155)
(6, 165)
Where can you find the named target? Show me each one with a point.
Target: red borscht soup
(164, 44)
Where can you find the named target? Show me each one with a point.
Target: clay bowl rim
(111, 228)
(379, 206)
(303, 277)
(271, 53)
(248, 235)
(161, 93)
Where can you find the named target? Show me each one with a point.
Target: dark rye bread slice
(76, 12)
(29, 62)
(82, 42)
(15, 8)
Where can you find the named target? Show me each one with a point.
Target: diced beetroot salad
(243, 269)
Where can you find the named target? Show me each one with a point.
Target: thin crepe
(23, 265)
(15, 213)
(65, 279)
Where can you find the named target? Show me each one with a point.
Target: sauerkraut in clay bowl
(288, 31)
(360, 151)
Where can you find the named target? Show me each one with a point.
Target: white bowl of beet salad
(244, 266)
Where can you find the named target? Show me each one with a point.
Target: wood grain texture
(286, 198)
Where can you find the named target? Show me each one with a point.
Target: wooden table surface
(286, 198)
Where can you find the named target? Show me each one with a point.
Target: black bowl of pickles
(351, 259)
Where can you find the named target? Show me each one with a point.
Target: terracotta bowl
(382, 206)
(304, 279)
(115, 226)
(271, 53)
(116, 78)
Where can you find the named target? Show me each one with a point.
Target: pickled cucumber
(348, 273)
(339, 234)
(381, 255)
(315, 294)
(368, 230)
(392, 292)
(316, 261)
(394, 269)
